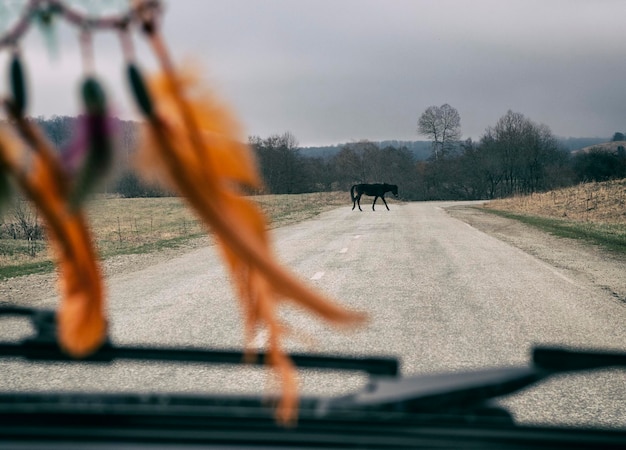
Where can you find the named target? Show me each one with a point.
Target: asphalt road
(442, 296)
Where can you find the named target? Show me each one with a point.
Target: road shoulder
(582, 262)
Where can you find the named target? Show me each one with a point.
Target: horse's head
(394, 189)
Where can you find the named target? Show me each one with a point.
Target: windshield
(439, 182)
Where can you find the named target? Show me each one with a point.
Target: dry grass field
(592, 211)
(595, 212)
(601, 203)
(143, 225)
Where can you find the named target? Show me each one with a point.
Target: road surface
(441, 295)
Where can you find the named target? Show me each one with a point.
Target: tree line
(514, 156)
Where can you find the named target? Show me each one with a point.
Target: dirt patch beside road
(577, 260)
(40, 290)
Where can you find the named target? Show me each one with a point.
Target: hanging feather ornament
(45, 23)
(6, 190)
(18, 89)
(81, 322)
(94, 144)
(194, 143)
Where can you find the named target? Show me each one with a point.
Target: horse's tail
(352, 193)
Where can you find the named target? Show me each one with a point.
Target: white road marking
(317, 275)
(344, 250)
(260, 340)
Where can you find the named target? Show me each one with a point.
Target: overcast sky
(332, 71)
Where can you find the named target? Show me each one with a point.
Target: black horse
(374, 190)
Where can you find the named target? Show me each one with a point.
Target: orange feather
(81, 321)
(204, 159)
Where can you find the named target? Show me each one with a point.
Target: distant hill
(421, 150)
(326, 151)
(612, 147)
(576, 143)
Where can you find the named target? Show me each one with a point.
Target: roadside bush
(130, 186)
(24, 227)
(600, 165)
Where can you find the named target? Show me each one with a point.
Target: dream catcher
(191, 143)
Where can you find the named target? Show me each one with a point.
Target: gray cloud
(341, 70)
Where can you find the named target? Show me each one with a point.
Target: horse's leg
(375, 198)
(353, 203)
(385, 201)
(358, 200)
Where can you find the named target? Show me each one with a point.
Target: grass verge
(592, 212)
(25, 269)
(612, 237)
(123, 226)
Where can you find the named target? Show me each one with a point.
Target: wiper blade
(567, 360)
(473, 389)
(46, 351)
(43, 346)
(458, 392)
(439, 392)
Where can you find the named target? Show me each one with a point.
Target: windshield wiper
(473, 389)
(453, 410)
(43, 346)
(566, 360)
(385, 391)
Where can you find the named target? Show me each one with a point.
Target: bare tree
(521, 154)
(442, 124)
(280, 162)
(348, 166)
